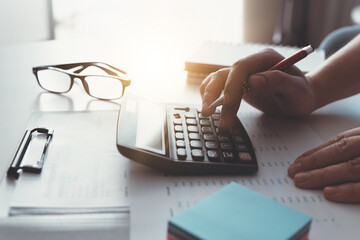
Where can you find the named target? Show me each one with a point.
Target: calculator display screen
(150, 127)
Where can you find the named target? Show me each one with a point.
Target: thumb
(274, 81)
(285, 93)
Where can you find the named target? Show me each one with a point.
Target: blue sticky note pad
(235, 212)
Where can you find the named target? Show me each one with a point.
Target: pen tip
(309, 49)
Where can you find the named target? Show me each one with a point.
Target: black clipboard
(17, 162)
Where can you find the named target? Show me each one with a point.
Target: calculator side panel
(127, 135)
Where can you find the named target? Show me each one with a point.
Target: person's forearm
(339, 76)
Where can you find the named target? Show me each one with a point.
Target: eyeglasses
(60, 79)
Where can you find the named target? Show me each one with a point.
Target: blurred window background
(24, 21)
(195, 20)
(287, 22)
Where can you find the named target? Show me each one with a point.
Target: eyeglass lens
(102, 87)
(54, 81)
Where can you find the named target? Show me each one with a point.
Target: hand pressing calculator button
(179, 139)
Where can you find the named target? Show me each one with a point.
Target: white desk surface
(157, 65)
(21, 94)
(160, 66)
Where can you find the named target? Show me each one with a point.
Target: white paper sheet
(83, 171)
(155, 196)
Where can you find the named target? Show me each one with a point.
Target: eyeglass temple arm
(83, 66)
(97, 64)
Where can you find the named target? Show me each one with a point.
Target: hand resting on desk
(335, 165)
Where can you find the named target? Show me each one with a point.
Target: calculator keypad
(196, 138)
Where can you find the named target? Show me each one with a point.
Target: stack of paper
(212, 56)
(83, 171)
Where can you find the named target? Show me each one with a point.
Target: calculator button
(205, 122)
(216, 123)
(179, 135)
(197, 155)
(226, 146)
(177, 121)
(194, 136)
(181, 153)
(193, 129)
(206, 130)
(215, 116)
(228, 156)
(195, 144)
(244, 156)
(178, 128)
(223, 138)
(191, 121)
(211, 145)
(238, 139)
(180, 143)
(213, 155)
(190, 115)
(209, 137)
(241, 147)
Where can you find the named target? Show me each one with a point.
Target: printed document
(156, 197)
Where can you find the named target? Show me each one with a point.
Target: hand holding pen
(282, 65)
(272, 91)
(290, 92)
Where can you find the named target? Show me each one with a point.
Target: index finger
(239, 73)
(211, 88)
(337, 138)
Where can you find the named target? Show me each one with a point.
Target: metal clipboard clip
(13, 171)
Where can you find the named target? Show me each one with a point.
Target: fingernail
(294, 168)
(205, 110)
(331, 190)
(302, 177)
(257, 81)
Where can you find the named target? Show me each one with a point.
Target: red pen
(282, 65)
(287, 62)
